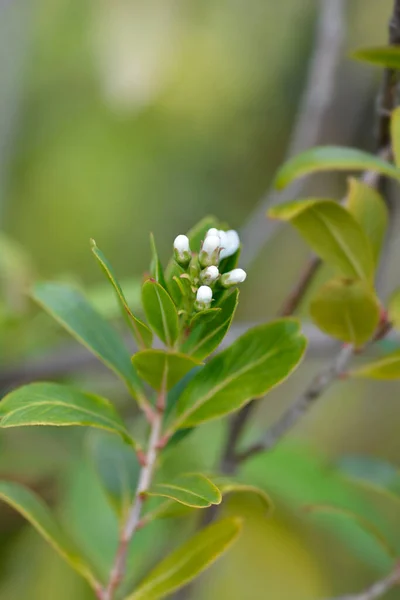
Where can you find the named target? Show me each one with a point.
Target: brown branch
(378, 589)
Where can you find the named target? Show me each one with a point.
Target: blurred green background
(121, 117)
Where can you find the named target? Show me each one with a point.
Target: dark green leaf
(369, 209)
(204, 337)
(204, 317)
(190, 489)
(70, 308)
(59, 405)
(365, 524)
(332, 158)
(383, 56)
(160, 368)
(33, 509)
(156, 270)
(387, 367)
(256, 362)
(142, 333)
(333, 233)
(184, 564)
(347, 310)
(117, 467)
(160, 312)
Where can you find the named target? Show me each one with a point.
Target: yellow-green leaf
(387, 367)
(347, 310)
(34, 510)
(160, 368)
(395, 135)
(190, 489)
(332, 158)
(186, 563)
(160, 311)
(142, 333)
(230, 486)
(71, 309)
(394, 309)
(156, 269)
(60, 406)
(333, 234)
(369, 209)
(383, 56)
(256, 362)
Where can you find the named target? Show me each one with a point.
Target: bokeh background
(121, 117)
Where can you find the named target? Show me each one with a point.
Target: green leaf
(370, 469)
(190, 489)
(369, 209)
(365, 524)
(33, 509)
(230, 486)
(117, 468)
(204, 317)
(256, 362)
(204, 337)
(395, 135)
(160, 312)
(156, 270)
(394, 309)
(333, 233)
(160, 368)
(61, 406)
(383, 56)
(332, 158)
(186, 563)
(71, 309)
(347, 310)
(142, 333)
(387, 367)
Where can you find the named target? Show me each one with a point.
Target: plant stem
(131, 525)
(378, 589)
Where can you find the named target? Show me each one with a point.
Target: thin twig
(378, 589)
(316, 101)
(133, 519)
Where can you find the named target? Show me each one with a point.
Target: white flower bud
(203, 297)
(212, 231)
(182, 250)
(233, 278)
(209, 275)
(230, 243)
(209, 253)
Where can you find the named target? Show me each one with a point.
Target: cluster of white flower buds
(217, 246)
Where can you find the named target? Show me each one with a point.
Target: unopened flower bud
(209, 253)
(203, 297)
(212, 231)
(182, 250)
(233, 278)
(209, 275)
(230, 243)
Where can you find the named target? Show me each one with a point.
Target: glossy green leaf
(395, 135)
(160, 368)
(71, 309)
(365, 524)
(190, 489)
(383, 56)
(142, 333)
(332, 158)
(156, 270)
(369, 209)
(394, 309)
(117, 468)
(231, 486)
(61, 406)
(333, 234)
(34, 510)
(256, 362)
(347, 310)
(160, 311)
(387, 367)
(204, 337)
(186, 563)
(204, 317)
